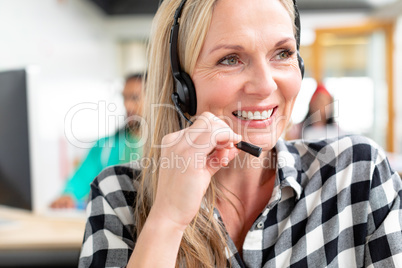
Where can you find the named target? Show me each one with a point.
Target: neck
(248, 174)
(247, 187)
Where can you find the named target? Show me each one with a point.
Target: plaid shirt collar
(288, 171)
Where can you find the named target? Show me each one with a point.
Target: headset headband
(174, 37)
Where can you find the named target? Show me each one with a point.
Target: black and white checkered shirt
(336, 203)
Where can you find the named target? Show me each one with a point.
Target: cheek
(291, 93)
(291, 84)
(214, 92)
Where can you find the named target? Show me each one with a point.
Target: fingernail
(225, 162)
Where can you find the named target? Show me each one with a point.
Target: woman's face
(247, 72)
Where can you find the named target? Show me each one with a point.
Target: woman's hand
(189, 159)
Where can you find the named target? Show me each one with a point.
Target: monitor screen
(15, 181)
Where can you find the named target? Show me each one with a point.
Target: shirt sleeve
(384, 241)
(78, 185)
(109, 233)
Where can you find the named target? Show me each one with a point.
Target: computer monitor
(15, 180)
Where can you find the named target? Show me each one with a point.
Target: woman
(205, 203)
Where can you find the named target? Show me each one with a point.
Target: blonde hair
(204, 240)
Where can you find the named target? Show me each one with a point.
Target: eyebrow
(280, 43)
(240, 48)
(227, 47)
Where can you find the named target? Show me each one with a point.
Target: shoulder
(129, 171)
(356, 147)
(351, 153)
(344, 139)
(118, 179)
(114, 191)
(110, 230)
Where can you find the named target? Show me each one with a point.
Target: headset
(184, 97)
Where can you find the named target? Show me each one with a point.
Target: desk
(43, 240)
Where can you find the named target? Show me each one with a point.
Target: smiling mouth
(256, 115)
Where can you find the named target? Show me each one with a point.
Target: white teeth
(257, 116)
(270, 112)
(248, 115)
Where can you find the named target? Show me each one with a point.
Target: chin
(265, 141)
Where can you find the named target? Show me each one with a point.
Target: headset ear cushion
(301, 63)
(190, 95)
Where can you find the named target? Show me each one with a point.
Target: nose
(261, 80)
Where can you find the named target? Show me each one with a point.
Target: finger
(220, 158)
(172, 139)
(208, 131)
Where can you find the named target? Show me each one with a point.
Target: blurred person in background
(319, 122)
(117, 149)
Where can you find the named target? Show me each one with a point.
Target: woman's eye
(230, 60)
(285, 54)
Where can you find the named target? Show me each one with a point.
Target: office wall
(66, 38)
(74, 56)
